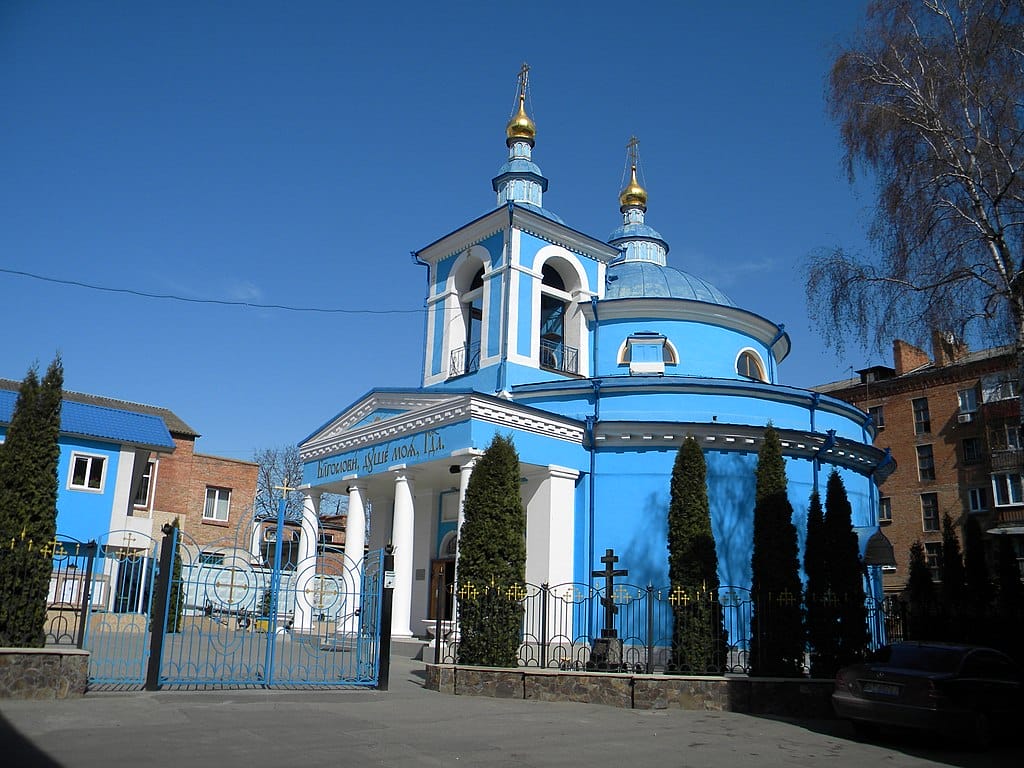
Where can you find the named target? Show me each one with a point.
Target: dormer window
(647, 353)
(749, 366)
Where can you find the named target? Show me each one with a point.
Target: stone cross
(608, 601)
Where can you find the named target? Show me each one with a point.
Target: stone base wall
(762, 696)
(43, 673)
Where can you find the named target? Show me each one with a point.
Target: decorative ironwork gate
(236, 613)
(120, 581)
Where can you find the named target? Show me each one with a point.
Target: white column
(355, 544)
(402, 539)
(305, 568)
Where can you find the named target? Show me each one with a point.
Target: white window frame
(150, 472)
(1006, 492)
(977, 499)
(89, 458)
(878, 410)
(924, 517)
(970, 396)
(885, 509)
(206, 504)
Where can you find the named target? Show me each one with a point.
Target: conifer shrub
(776, 624)
(492, 560)
(699, 638)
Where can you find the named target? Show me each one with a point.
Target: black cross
(608, 601)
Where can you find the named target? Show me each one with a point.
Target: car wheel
(863, 729)
(982, 735)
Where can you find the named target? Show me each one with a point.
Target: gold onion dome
(520, 127)
(633, 196)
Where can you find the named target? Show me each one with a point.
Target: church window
(466, 357)
(555, 354)
(647, 352)
(749, 366)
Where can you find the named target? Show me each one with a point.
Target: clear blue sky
(296, 152)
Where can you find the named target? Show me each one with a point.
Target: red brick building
(952, 422)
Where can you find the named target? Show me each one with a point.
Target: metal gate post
(544, 589)
(650, 629)
(83, 615)
(441, 587)
(384, 629)
(158, 610)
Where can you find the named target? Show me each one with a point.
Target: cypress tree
(492, 560)
(28, 498)
(777, 637)
(699, 639)
(176, 599)
(820, 634)
(845, 577)
(919, 595)
(977, 586)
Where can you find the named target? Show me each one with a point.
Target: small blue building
(598, 358)
(104, 456)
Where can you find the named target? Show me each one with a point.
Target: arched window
(749, 366)
(466, 351)
(554, 304)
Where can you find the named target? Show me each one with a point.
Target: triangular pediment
(373, 411)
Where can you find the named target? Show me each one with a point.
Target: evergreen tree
(845, 577)
(777, 637)
(699, 639)
(977, 582)
(176, 599)
(919, 595)
(492, 560)
(820, 634)
(951, 568)
(28, 500)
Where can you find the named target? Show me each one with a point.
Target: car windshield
(930, 658)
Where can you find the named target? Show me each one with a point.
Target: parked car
(961, 690)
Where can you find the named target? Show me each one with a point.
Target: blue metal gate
(237, 615)
(117, 628)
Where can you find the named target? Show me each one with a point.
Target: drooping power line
(222, 302)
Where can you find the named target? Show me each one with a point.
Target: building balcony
(465, 360)
(556, 356)
(1007, 460)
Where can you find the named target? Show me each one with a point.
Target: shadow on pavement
(939, 748)
(18, 751)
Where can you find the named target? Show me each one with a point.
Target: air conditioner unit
(965, 418)
(270, 534)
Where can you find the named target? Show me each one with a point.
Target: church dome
(633, 196)
(520, 127)
(647, 280)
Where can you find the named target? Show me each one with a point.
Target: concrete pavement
(411, 726)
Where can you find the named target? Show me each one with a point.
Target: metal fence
(562, 623)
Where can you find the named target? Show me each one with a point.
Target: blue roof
(101, 423)
(519, 165)
(644, 279)
(540, 211)
(632, 231)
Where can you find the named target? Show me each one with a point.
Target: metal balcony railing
(465, 360)
(556, 356)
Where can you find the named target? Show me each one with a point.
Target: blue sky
(295, 153)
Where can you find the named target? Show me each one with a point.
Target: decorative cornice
(559, 234)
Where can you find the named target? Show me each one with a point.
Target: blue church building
(598, 357)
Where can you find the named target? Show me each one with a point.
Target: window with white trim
(146, 485)
(922, 417)
(925, 462)
(1006, 489)
(885, 510)
(877, 413)
(967, 400)
(218, 504)
(88, 472)
(749, 366)
(929, 512)
(977, 499)
(933, 559)
(647, 352)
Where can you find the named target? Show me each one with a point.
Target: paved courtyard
(410, 726)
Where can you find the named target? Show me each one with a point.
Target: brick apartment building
(952, 422)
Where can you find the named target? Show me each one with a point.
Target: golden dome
(633, 196)
(520, 127)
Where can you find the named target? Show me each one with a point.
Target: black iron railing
(465, 360)
(556, 356)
